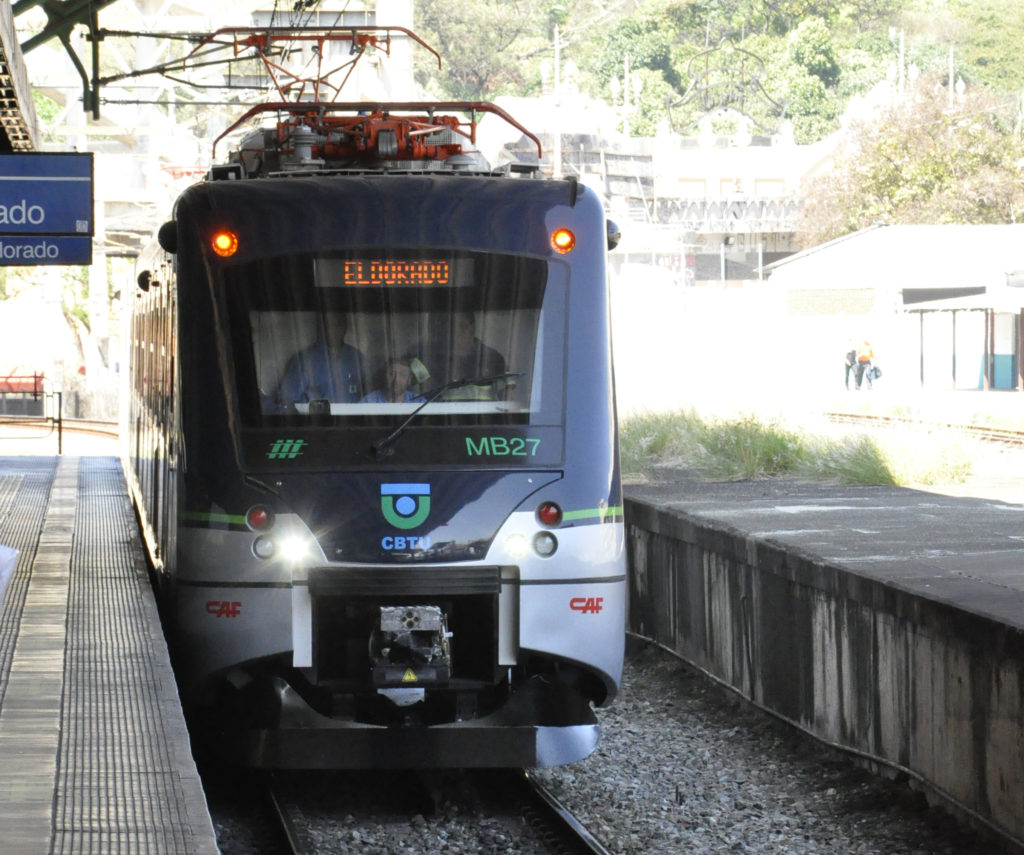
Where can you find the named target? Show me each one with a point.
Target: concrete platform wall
(919, 684)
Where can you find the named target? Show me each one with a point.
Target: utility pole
(952, 88)
(556, 154)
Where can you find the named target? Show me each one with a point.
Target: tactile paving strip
(24, 490)
(124, 783)
(30, 715)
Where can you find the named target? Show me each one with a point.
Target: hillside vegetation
(944, 146)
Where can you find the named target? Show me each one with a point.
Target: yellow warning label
(409, 676)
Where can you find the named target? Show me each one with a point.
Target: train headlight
(264, 547)
(517, 545)
(224, 242)
(294, 549)
(545, 544)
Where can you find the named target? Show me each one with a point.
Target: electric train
(370, 432)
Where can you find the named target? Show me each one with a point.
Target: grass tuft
(746, 447)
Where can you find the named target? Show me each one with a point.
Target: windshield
(367, 338)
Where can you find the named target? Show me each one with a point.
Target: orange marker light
(563, 240)
(224, 243)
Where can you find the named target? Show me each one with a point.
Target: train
(369, 429)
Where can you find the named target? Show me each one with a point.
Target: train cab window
(366, 339)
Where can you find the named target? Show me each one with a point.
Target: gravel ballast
(684, 766)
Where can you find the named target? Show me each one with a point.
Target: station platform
(94, 754)
(885, 621)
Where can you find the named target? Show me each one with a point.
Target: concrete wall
(919, 684)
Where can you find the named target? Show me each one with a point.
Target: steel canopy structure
(20, 128)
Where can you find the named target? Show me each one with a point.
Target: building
(942, 304)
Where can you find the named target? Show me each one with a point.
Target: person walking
(851, 362)
(865, 358)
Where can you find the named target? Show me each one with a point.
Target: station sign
(45, 249)
(46, 208)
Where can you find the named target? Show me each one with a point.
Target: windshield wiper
(383, 447)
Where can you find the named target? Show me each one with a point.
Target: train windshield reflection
(367, 336)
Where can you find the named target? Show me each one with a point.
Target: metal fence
(29, 401)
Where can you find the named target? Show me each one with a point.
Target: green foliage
(922, 163)
(817, 53)
(861, 69)
(812, 109)
(46, 108)
(645, 43)
(854, 460)
(651, 111)
(480, 42)
(990, 35)
(810, 47)
(747, 447)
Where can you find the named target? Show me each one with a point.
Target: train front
(400, 537)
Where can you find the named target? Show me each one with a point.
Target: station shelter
(941, 304)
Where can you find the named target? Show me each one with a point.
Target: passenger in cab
(394, 384)
(329, 369)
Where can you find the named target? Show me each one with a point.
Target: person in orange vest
(865, 356)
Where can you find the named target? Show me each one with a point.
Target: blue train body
(371, 433)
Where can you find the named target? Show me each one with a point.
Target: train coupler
(411, 648)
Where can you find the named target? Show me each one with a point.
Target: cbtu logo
(405, 506)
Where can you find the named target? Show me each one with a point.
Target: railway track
(567, 833)
(526, 804)
(1004, 436)
(289, 817)
(76, 436)
(36, 425)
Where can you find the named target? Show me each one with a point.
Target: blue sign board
(46, 209)
(45, 249)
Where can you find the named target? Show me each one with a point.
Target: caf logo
(405, 505)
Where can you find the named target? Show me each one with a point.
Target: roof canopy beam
(62, 16)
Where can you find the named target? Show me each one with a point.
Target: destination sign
(52, 249)
(47, 194)
(381, 272)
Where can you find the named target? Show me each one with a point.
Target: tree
(989, 50)
(495, 47)
(810, 47)
(480, 42)
(921, 163)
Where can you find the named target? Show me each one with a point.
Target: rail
(41, 427)
(1005, 436)
(569, 834)
(289, 816)
(559, 831)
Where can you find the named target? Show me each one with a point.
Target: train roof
(332, 137)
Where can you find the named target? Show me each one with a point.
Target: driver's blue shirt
(322, 373)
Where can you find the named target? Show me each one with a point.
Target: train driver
(470, 357)
(329, 369)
